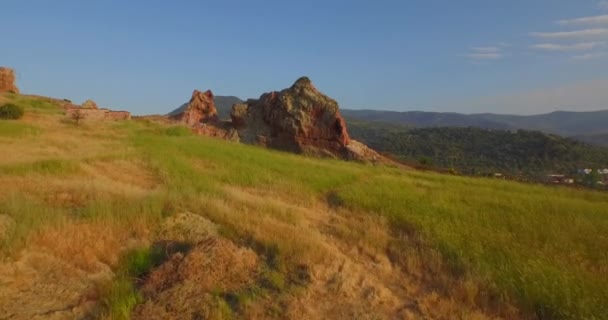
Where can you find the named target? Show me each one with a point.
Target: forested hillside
(477, 151)
(564, 123)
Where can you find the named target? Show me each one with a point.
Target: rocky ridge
(298, 119)
(200, 109)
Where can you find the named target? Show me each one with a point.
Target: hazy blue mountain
(590, 127)
(426, 119)
(595, 139)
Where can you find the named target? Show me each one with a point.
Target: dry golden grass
(352, 269)
(91, 246)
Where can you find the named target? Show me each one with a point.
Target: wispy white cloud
(486, 49)
(486, 55)
(487, 52)
(595, 20)
(578, 34)
(589, 56)
(581, 46)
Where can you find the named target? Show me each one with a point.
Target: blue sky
(506, 56)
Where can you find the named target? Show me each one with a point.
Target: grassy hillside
(479, 151)
(332, 239)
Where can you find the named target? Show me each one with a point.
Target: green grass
(46, 167)
(121, 298)
(545, 246)
(29, 215)
(122, 295)
(36, 104)
(13, 129)
(178, 131)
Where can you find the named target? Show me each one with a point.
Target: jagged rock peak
(200, 109)
(299, 119)
(303, 82)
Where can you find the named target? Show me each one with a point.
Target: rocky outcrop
(200, 109)
(90, 104)
(7, 80)
(90, 112)
(300, 119)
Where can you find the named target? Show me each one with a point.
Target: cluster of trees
(525, 154)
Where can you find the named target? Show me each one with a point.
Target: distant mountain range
(590, 127)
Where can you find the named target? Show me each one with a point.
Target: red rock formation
(200, 109)
(7, 80)
(299, 119)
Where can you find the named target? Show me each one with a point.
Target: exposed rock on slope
(299, 119)
(200, 109)
(7, 80)
(223, 105)
(90, 104)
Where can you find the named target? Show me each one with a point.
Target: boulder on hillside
(89, 104)
(200, 109)
(7, 80)
(299, 119)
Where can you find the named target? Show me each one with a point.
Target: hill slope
(137, 219)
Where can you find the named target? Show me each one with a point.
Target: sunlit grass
(545, 246)
(11, 129)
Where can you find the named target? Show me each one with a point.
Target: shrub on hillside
(11, 111)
